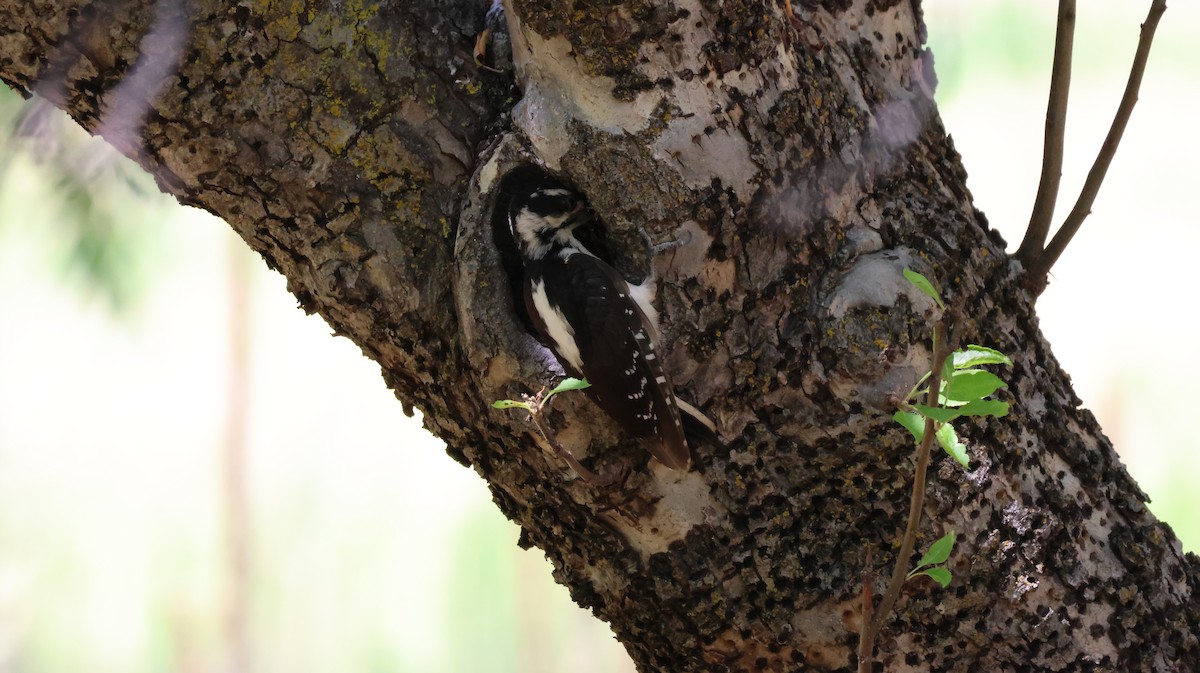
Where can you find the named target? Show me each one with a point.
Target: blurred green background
(194, 476)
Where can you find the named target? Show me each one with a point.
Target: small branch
(868, 602)
(548, 434)
(536, 406)
(1056, 126)
(1039, 270)
(866, 650)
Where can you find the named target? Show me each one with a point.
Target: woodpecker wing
(611, 346)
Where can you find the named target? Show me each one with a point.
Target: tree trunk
(357, 147)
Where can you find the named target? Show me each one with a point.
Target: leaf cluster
(963, 390)
(537, 403)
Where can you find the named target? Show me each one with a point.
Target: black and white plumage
(599, 326)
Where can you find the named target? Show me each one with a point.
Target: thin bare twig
(539, 421)
(1040, 268)
(1056, 126)
(868, 604)
(866, 646)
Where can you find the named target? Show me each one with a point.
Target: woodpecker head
(544, 213)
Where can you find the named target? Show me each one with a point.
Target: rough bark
(357, 147)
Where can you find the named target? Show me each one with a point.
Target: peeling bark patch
(877, 280)
(605, 37)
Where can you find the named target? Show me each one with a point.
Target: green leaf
(511, 404)
(922, 283)
(914, 423)
(984, 408)
(974, 384)
(939, 551)
(969, 369)
(939, 575)
(937, 413)
(974, 355)
(569, 384)
(943, 401)
(948, 439)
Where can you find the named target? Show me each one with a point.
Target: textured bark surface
(357, 147)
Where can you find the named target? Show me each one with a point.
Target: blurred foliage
(102, 241)
(1013, 40)
(981, 41)
(480, 567)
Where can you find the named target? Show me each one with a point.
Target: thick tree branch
(1056, 126)
(1039, 270)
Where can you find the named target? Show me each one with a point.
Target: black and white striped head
(544, 213)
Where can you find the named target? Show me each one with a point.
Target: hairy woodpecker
(599, 326)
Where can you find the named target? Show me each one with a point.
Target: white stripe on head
(526, 228)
